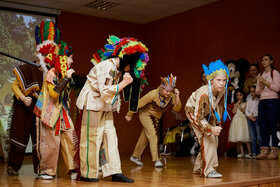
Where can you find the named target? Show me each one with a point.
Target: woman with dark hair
(268, 86)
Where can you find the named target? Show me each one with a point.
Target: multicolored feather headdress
(64, 53)
(124, 46)
(131, 52)
(46, 36)
(216, 68)
(168, 82)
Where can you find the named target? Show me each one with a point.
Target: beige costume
(150, 112)
(99, 98)
(55, 129)
(197, 110)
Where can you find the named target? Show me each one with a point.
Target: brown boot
(264, 153)
(274, 153)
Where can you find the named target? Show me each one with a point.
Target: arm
(177, 101)
(55, 89)
(242, 108)
(199, 119)
(247, 110)
(109, 92)
(260, 86)
(19, 95)
(16, 89)
(234, 108)
(51, 90)
(275, 85)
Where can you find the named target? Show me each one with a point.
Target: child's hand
(69, 73)
(128, 118)
(26, 100)
(176, 92)
(216, 130)
(127, 78)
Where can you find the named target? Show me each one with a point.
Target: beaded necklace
(162, 101)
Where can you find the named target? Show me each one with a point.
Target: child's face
(253, 92)
(219, 83)
(239, 96)
(253, 71)
(165, 93)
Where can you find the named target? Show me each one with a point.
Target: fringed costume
(99, 98)
(151, 107)
(23, 125)
(55, 130)
(204, 112)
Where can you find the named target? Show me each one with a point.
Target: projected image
(16, 39)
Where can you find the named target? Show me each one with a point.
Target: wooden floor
(177, 172)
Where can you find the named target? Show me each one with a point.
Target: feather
(206, 70)
(107, 54)
(113, 39)
(37, 35)
(225, 115)
(109, 47)
(217, 116)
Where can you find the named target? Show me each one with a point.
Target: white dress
(239, 131)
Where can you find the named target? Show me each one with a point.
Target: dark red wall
(227, 29)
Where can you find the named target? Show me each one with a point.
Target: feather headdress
(46, 36)
(124, 46)
(214, 69)
(168, 82)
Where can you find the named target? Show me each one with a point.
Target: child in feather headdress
(55, 127)
(99, 98)
(151, 106)
(204, 110)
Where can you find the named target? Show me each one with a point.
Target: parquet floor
(176, 172)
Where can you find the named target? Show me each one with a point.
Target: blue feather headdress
(216, 68)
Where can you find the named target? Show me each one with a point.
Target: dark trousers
(23, 125)
(255, 135)
(268, 119)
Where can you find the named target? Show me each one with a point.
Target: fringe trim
(27, 91)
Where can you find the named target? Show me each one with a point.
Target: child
(99, 98)
(151, 107)
(204, 110)
(238, 131)
(55, 128)
(252, 115)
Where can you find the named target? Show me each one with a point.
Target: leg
(253, 134)
(19, 134)
(48, 150)
(198, 164)
(149, 127)
(68, 148)
(90, 142)
(258, 135)
(272, 117)
(262, 112)
(207, 160)
(112, 163)
(141, 145)
(34, 147)
(209, 153)
(273, 113)
(248, 145)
